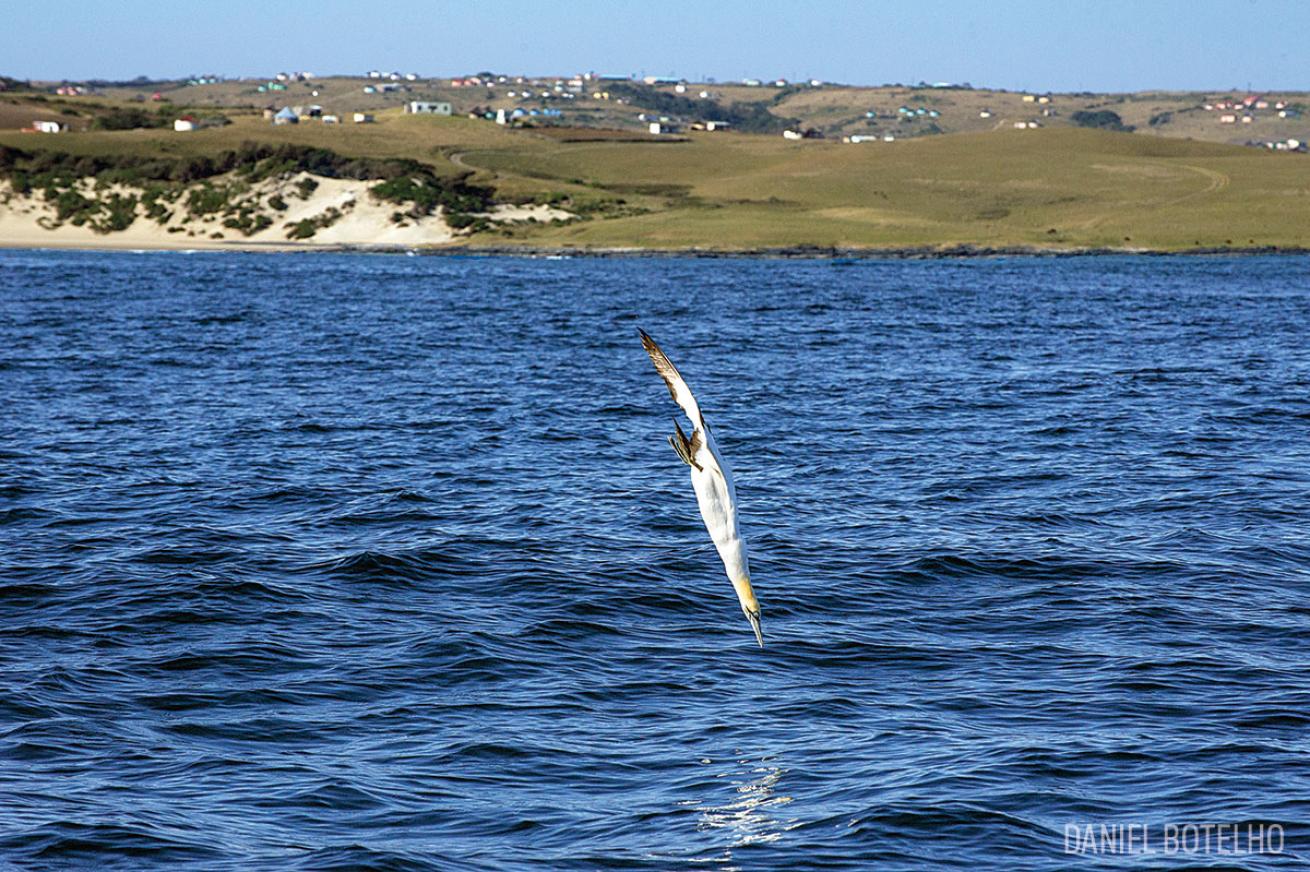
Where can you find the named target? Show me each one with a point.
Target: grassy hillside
(1056, 187)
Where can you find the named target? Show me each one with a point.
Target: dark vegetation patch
(650, 189)
(746, 117)
(1102, 119)
(307, 227)
(135, 118)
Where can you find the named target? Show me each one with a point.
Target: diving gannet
(712, 481)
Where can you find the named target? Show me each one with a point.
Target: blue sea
(338, 562)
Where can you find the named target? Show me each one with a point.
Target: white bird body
(712, 481)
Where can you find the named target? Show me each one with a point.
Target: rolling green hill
(1056, 188)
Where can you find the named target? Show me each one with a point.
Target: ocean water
(374, 562)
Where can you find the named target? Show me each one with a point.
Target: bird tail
(685, 447)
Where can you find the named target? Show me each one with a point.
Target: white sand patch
(363, 220)
(22, 220)
(542, 213)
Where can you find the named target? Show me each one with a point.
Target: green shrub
(307, 227)
(130, 118)
(207, 199)
(120, 213)
(302, 229)
(1103, 119)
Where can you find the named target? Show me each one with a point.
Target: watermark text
(1173, 838)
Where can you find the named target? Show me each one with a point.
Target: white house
(1227, 119)
(500, 117)
(656, 128)
(47, 126)
(422, 107)
(793, 135)
(331, 119)
(716, 125)
(363, 118)
(184, 125)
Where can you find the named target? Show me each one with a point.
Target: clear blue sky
(1106, 45)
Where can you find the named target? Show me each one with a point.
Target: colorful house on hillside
(286, 116)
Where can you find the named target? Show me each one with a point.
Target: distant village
(518, 101)
(1248, 109)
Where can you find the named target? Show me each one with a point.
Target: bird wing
(677, 387)
(701, 448)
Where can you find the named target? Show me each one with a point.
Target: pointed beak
(755, 625)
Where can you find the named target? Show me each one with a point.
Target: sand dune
(350, 216)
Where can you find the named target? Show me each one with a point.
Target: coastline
(837, 253)
(117, 242)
